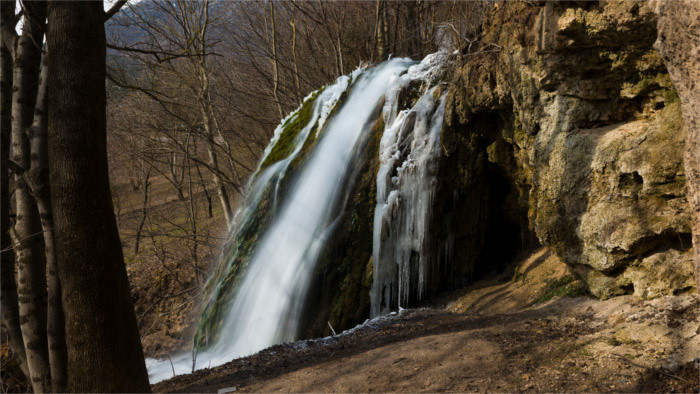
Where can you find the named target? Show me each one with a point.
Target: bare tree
(8, 287)
(273, 49)
(39, 180)
(27, 230)
(104, 349)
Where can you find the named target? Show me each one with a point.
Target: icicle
(408, 154)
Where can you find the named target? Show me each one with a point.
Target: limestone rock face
(679, 43)
(575, 107)
(634, 227)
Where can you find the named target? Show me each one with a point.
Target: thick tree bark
(679, 43)
(27, 232)
(104, 349)
(7, 27)
(39, 179)
(8, 285)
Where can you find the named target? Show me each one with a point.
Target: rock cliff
(572, 106)
(679, 43)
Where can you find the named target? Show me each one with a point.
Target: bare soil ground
(512, 333)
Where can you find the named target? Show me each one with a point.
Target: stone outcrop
(679, 43)
(571, 104)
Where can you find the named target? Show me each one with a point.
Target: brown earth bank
(525, 330)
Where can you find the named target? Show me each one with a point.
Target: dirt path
(566, 344)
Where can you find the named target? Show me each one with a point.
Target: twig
(161, 56)
(15, 167)
(115, 8)
(7, 249)
(172, 366)
(194, 357)
(332, 330)
(649, 368)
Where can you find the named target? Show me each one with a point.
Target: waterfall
(258, 289)
(257, 292)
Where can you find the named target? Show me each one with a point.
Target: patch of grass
(566, 286)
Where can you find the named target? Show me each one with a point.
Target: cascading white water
(409, 153)
(266, 310)
(268, 301)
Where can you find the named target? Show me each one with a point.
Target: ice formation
(408, 154)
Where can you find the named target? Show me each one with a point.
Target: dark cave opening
(479, 202)
(506, 233)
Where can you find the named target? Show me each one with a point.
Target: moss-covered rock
(254, 221)
(286, 143)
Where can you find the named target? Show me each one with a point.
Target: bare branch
(114, 9)
(157, 53)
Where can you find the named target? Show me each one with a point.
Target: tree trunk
(340, 53)
(218, 182)
(27, 232)
(203, 183)
(8, 286)
(211, 147)
(208, 119)
(679, 43)
(204, 108)
(275, 71)
(104, 349)
(381, 29)
(297, 86)
(412, 24)
(144, 212)
(395, 39)
(39, 180)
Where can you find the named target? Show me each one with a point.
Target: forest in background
(193, 92)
